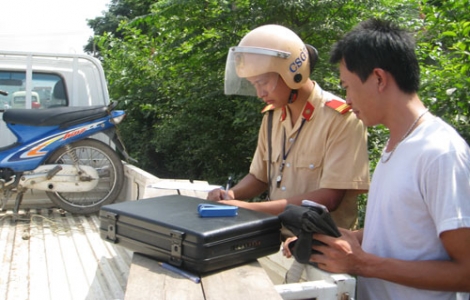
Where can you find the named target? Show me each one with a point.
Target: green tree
(444, 50)
(118, 11)
(176, 82)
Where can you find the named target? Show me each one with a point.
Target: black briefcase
(171, 229)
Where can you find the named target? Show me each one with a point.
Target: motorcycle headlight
(117, 117)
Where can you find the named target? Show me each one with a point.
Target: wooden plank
(119, 257)
(148, 280)
(58, 284)
(113, 285)
(19, 268)
(73, 267)
(87, 259)
(7, 236)
(198, 194)
(180, 186)
(247, 282)
(38, 279)
(57, 256)
(116, 257)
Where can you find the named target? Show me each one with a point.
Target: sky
(52, 26)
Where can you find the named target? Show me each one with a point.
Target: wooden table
(148, 280)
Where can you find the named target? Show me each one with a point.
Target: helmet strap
(293, 96)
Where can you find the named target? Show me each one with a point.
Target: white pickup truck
(42, 80)
(36, 80)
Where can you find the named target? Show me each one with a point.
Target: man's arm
(247, 188)
(331, 198)
(344, 255)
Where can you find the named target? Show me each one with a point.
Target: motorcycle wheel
(105, 160)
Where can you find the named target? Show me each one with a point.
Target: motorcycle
(55, 153)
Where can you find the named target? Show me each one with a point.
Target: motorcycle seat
(62, 116)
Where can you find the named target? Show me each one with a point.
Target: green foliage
(444, 49)
(118, 11)
(128, 75)
(167, 68)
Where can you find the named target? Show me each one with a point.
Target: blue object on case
(209, 210)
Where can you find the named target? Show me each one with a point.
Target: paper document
(178, 185)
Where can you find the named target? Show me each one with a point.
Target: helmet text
(298, 62)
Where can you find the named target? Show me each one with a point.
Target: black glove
(304, 221)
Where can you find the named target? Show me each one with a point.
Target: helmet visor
(245, 62)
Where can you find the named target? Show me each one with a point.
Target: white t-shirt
(423, 190)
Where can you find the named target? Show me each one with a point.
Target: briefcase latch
(111, 232)
(176, 246)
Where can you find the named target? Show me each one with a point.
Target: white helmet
(268, 48)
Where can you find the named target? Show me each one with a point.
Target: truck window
(48, 90)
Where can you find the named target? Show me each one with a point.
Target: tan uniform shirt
(330, 151)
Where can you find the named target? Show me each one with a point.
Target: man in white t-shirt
(416, 238)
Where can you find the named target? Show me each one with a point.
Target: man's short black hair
(379, 44)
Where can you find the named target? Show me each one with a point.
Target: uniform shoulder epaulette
(338, 105)
(267, 108)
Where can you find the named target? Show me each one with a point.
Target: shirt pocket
(310, 165)
(273, 165)
(276, 157)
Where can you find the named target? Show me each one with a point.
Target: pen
(227, 186)
(181, 272)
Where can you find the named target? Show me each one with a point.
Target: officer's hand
(220, 194)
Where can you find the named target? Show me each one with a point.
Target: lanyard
(285, 154)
